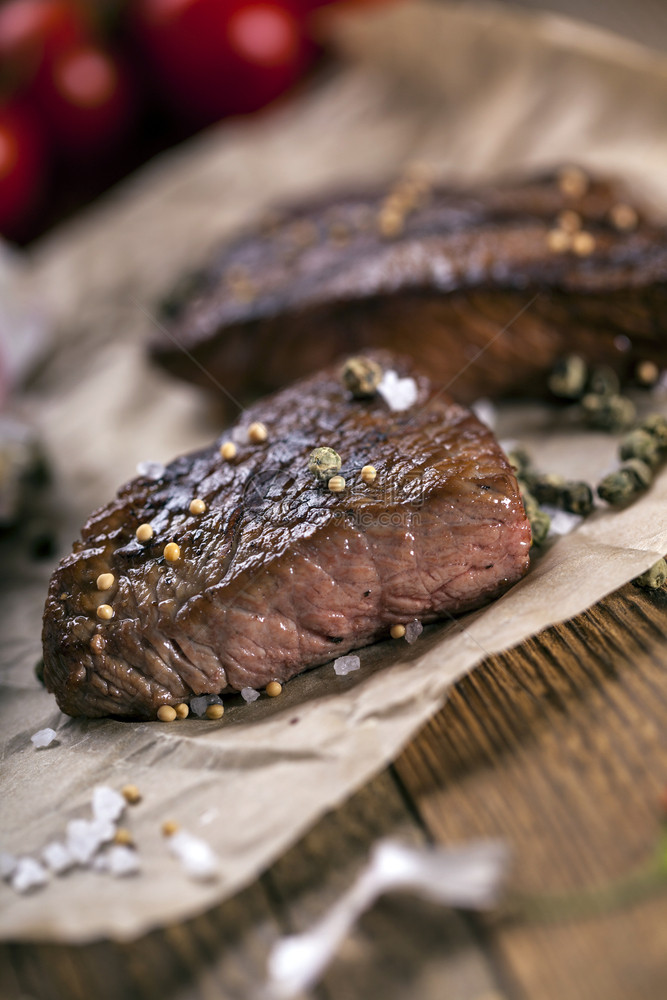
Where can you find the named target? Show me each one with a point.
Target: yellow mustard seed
(558, 241)
(97, 644)
(105, 581)
(257, 433)
(197, 506)
(573, 182)
(647, 373)
(623, 217)
(368, 473)
(273, 689)
(105, 612)
(569, 221)
(166, 713)
(215, 711)
(228, 450)
(390, 222)
(144, 533)
(583, 243)
(397, 631)
(169, 828)
(172, 552)
(123, 837)
(336, 484)
(131, 794)
(182, 710)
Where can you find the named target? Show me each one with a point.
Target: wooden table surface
(558, 746)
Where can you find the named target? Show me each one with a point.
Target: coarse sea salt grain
(346, 664)
(151, 470)
(108, 804)
(8, 864)
(398, 393)
(198, 859)
(57, 857)
(413, 630)
(249, 694)
(562, 521)
(28, 874)
(199, 705)
(85, 837)
(122, 861)
(43, 738)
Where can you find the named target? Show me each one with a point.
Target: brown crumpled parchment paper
(473, 91)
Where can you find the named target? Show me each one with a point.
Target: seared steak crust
(461, 267)
(279, 574)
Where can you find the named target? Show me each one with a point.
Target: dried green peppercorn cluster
(598, 390)
(641, 451)
(654, 578)
(537, 488)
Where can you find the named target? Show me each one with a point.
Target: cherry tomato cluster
(80, 81)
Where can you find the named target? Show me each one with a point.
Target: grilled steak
(278, 573)
(436, 275)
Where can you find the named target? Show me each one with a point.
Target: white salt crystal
(199, 705)
(562, 521)
(208, 816)
(198, 859)
(28, 874)
(43, 738)
(485, 411)
(8, 864)
(57, 857)
(413, 630)
(249, 694)
(123, 860)
(85, 837)
(398, 393)
(150, 470)
(346, 664)
(108, 804)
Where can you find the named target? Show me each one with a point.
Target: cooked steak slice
(439, 281)
(279, 573)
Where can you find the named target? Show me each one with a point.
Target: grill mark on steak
(280, 578)
(461, 269)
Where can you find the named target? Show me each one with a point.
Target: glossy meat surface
(469, 284)
(279, 574)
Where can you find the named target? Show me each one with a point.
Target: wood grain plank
(560, 746)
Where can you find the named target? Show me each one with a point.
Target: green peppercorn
(577, 498)
(640, 444)
(565, 494)
(654, 577)
(608, 413)
(604, 382)
(520, 460)
(324, 463)
(539, 520)
(642, 473)
(656, 425)
(625, 483)
(568, 377)
(361, 376)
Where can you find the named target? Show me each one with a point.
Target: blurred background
(88, 91)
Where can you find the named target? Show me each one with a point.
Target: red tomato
(218, 57)
(84, 100)
(21, 167)
(32, 33)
